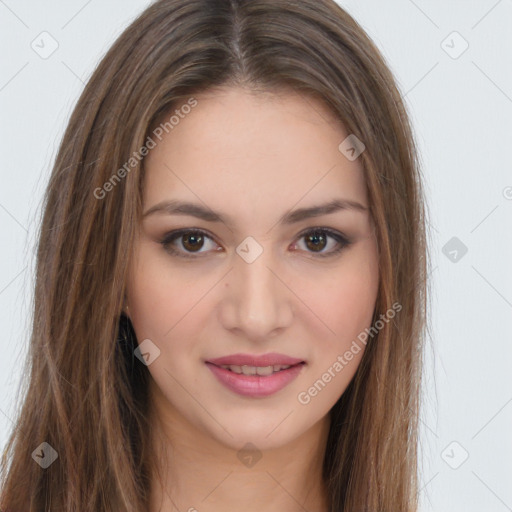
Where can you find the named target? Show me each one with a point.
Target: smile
(255, 370)
(255, 381)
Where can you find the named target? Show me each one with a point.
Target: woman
(231, 275)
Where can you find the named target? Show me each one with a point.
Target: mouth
(257, 361)
(263, 371)
(256, 376)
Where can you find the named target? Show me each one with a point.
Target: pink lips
(256, 386)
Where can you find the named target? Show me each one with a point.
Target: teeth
(255, 370)
(265, 370)
(249, 370)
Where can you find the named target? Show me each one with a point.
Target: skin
(251, 158)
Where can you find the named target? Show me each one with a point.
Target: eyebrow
(175, 207)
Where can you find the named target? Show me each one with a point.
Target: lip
(255, 386)
(270, 359)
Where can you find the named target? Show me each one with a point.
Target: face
(239, 267)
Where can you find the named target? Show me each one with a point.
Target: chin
(264, 431)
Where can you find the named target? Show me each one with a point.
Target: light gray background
(461, 107)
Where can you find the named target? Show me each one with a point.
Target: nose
(256, 303)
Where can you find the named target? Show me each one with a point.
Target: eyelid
(342, 240)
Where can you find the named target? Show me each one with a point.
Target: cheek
(158, 296)
(345, 305)
(343, 299)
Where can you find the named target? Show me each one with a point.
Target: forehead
(258, 146)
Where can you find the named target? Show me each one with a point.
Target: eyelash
(343, 241)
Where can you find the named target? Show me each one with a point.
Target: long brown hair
(86, 394)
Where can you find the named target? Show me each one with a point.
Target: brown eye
(316, 241)
(322, 242)
(189, 243)
(192, 241)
